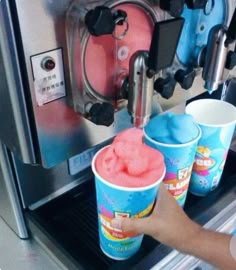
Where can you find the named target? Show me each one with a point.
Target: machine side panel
(10, 206)
(14, 128)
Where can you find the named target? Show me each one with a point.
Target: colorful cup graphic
(117, 201)
(216, 119)
(179, 160)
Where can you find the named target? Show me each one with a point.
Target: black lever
(231, 32)
(175, 7)
(185, 77)
(165, 87)
(196, 4)
(231, 37)
(163, 46)
(231, 59)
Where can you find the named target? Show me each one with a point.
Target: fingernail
(232, 247)
(116, 223)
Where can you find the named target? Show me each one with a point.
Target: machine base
(68, 225)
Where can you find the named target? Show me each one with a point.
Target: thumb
(136, 225)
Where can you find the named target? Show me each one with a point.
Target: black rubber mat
(72, 221)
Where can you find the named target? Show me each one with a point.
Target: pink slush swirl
(128, 162)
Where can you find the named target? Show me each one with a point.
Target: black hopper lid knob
(102, 114)
(173, 7)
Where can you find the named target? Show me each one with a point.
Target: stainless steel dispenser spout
(216, 53)
(144, 65)
(215, 56)
(140, 90)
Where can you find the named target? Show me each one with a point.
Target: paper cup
(216, 119)
(179, 160)
(117, 201)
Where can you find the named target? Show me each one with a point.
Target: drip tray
(72, 221)
(69, 223)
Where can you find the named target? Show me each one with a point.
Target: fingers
(165, 205)
(141, 225)
(138, 226)
(165, 199)
(164, 193)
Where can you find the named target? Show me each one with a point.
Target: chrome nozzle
(215, 58)
(140, 90)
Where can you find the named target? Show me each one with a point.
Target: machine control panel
(49, 79)
(48, 63)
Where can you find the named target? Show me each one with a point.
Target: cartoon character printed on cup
(209, 162)
(204, 163)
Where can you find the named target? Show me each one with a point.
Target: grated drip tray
(72, 221)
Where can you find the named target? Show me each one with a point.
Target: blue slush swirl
(172, 128)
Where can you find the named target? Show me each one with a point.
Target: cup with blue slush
(176, 137)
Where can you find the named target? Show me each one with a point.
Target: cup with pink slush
(127, 178)
(176, 137)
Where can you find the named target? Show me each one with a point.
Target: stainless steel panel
(15, 128)
(62, 133)
(10, 206)
(21, 254)
(38, 185)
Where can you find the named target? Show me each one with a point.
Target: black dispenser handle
(231, 37)
(175, 7)
(196, 4)
(231, 32)
(164, 43)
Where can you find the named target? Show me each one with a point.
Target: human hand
(168, 223)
